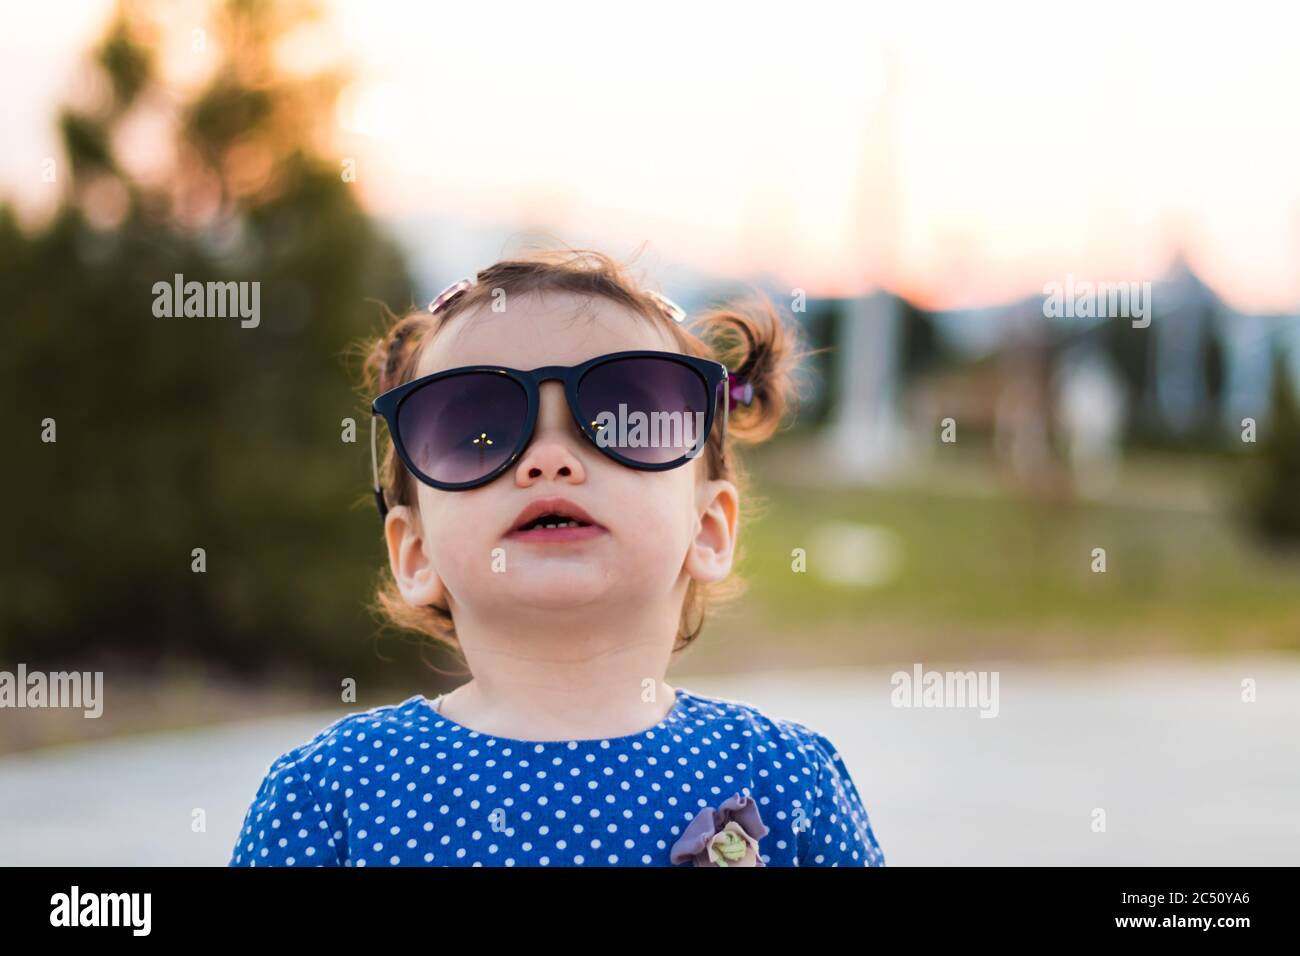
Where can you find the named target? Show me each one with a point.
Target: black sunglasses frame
(713, 374)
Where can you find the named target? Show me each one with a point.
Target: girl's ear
(413, 572)
(712, 550)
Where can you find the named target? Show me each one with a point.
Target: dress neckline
(674, 715)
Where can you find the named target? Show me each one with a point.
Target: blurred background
(907, 182)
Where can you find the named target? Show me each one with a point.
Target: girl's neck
(547, 711)
(567, 676)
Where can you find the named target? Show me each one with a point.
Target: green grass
(997, 574)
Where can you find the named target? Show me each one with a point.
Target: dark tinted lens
(461, 428)
(650, 410)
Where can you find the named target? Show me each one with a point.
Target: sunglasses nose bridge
(561, 409)
(549, 373)
(552, 373)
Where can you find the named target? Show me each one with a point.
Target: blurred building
(1054, 398)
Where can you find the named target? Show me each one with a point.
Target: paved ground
(1185, 771)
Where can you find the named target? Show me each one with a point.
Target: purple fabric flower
(727, 836)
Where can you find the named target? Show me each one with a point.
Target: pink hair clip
(740, 392)
(675, 311)
(449, 293)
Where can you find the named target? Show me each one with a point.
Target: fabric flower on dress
(727, 836)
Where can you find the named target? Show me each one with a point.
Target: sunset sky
(963, 154)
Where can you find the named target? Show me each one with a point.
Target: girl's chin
(563, 598)
(575, 591)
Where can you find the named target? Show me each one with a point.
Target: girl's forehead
(541, 329)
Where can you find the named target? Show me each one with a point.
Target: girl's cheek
(663, 521)
(448, 543)
(461, 542)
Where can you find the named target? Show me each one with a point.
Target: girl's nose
(552, 454)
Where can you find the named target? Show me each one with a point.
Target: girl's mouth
(556, 528)
(554, 520)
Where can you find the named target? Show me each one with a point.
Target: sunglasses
(462, 428)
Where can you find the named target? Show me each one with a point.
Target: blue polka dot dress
(715, 783)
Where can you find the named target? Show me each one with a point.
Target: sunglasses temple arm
(374, 467)
(726, 413)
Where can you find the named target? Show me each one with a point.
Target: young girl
(560, 499)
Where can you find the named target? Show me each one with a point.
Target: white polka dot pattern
(403, 785)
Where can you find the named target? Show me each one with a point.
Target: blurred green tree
(1272, 500)
(820, 328)
(183, 433)
(1133, 352)
(922, 349)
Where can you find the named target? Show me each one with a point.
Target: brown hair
(748, 336)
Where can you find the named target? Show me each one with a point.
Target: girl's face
(657, 530)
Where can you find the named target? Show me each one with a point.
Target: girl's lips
(557, 535)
